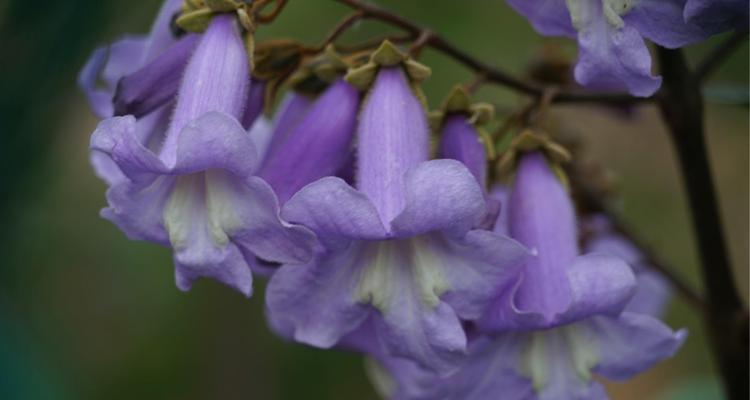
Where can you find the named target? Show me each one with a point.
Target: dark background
(87, 314)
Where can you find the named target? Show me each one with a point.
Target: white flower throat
(582, 11)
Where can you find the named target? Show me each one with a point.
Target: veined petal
(116, 137)
(662, 22)
(335, 211)
(475, 268)
(215, 140)
(318, 146)
(439, 195)
(255, 102)
(138, 208)
(613, 57)
(548, 17)
(392, 138)
(633, 343)
(292, 110)
(460, 141)
(157, 82)
(227, 266)
(316, 303)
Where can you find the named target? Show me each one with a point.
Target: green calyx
(477, 114)
(196, 15)
(530, 141)
(315, 75)
(387, 55)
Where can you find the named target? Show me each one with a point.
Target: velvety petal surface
(612, 57)
(662, 22)
(439, 195)
(548, 17)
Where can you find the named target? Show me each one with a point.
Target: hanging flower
(198, 193)
(612, 52)
(398, 250)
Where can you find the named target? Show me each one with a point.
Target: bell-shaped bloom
(318, 146)
(397, 250)
(198, 192)
(562, 325)
(652, 291)
(612, 53)
(108, 65)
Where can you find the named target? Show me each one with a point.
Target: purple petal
(255, 102)
(409, 328)
(261, 133)
(439, 195)
(209, 85)
(716, 16)
(215, 140)
(138, 208)
(318, 146)
(100, 99)
(293, 109)
(253, 222)
(393, 137)
(161, 35)
(316, 303)
(662, 22)
(632, 343)
(548, 17)
(335, 212)
(476, 267)
(460, 141)
(124, 57)
(613, 58)
(157, 82)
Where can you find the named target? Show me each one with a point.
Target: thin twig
(419, 44)
(719, 54)
(278, 8)
(341, 28)
(492, 74)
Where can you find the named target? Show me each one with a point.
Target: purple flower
(197, 192)
(653, 291)
(612, 52)
(562, 324)
(318, 146)
(398, 252)
(716, 15)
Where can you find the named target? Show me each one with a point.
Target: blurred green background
(87, 314)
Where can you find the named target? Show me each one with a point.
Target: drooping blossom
(197, 193)
(397, 250)
(653, 291)
(612, 53)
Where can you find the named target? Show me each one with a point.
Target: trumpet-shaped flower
(612, 52)
(198, 193)
(398, 252)
(563, 323)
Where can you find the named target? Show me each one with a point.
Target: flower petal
(548, 17)
(613, 58)
(226, 265)
(138, 208)
(596, 284)
(100, 99)
(476, 268)
(662, 22)
(316, 303)
(633, 343)
(215, 140)
(157, 82)
(440, 195)
(335, 211)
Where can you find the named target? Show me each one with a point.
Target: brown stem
(270, 17)
(492, 74)
(341, 28)
(681, 104)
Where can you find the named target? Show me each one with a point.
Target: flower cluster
(370, 243)
(612, 53)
